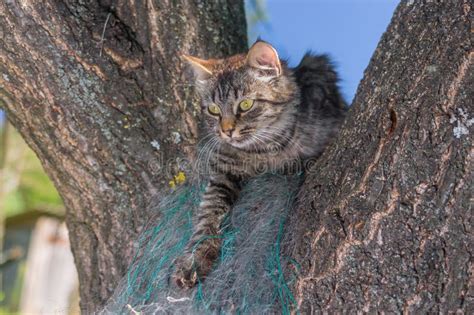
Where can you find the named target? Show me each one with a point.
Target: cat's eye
(245, 105)
(214, 109)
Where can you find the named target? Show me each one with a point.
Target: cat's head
(249, 99)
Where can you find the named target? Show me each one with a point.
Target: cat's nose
(229, 132)
(228, 126)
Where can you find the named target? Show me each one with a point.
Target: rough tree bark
(96, 90)
(382, 223)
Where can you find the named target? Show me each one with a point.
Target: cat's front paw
(194, 267)
(186, 273)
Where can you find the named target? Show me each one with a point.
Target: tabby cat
(266, 117)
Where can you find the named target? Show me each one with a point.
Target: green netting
(250, 277)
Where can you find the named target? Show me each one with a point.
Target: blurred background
(37, 273)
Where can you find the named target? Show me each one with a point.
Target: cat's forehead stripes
(229, 86)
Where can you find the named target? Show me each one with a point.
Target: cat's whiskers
(256, 141)
(282, 133)
(263, 140)
(215, 146)
(273, 136)
(202, 149)
(205, 153)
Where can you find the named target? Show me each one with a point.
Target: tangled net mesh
(250, 275)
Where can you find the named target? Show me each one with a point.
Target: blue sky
(347, 30)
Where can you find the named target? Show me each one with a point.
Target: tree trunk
(97, 91)
(383, 221)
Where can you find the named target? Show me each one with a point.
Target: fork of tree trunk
(383, 221)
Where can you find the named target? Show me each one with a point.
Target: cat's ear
(263, 56)
(202, 68)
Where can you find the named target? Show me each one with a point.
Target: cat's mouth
(238, 138)
(235, 140)
(238, 141)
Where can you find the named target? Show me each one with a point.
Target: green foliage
(24, 185)
(256, 12)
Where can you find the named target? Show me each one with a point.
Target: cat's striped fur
(295, 113)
